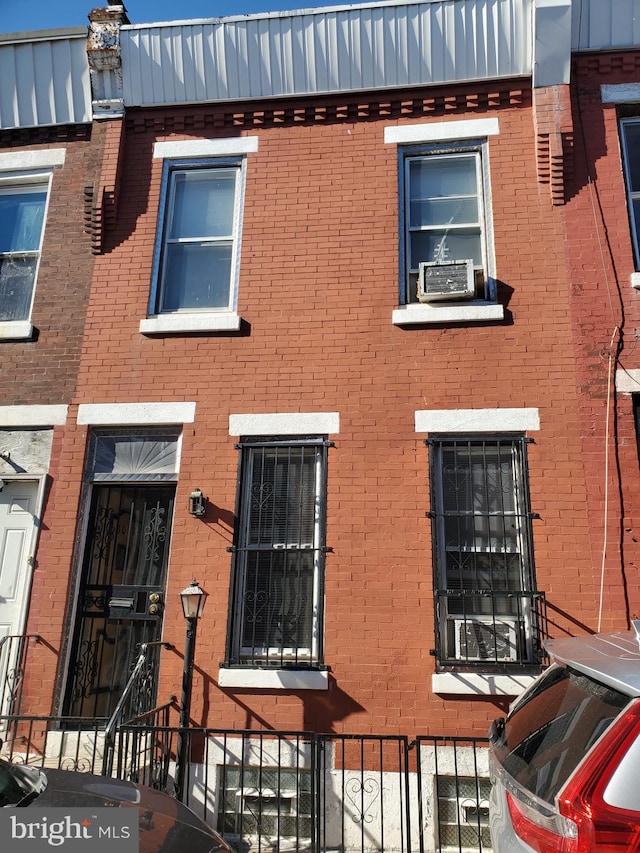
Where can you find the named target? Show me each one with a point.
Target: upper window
(276, 617)
(488, 610)
(22, 216)
(445, 227)
(631, 157)
(199, 238)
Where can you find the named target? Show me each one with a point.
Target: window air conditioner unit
(446, 280)
(485, 639)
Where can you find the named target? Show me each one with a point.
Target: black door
(121, 597)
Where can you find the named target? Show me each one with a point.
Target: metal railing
(283, 791)
(142, 675)
(14, 651)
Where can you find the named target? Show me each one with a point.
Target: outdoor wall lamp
(192, 599)
(197, 504)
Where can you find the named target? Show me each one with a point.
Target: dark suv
(565, 762)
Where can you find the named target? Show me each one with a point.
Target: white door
(17, 541)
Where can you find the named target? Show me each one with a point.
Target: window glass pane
(546, 737)
(478, 479)
(283, 496)
(632, 138)
(196, 276)
(278, 605)
(140, 454)
(444, 211)
(203, 204)
(441, 175)
(441, 245)
(21, 218)
(17, 276)
(636, 214)
(443, 190)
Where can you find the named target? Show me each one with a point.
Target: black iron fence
(283, 791)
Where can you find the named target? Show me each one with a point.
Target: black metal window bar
(279, 554)
(488, 608)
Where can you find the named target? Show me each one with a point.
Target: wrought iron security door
(122, 595)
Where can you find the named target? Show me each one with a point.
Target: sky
(26, 15)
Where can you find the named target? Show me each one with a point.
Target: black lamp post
(193, 599)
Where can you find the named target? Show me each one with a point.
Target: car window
(547, 734)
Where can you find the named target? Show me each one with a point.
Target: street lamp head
(193, 599)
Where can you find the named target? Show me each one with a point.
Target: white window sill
(470, 312)
(635, 280)
(15, 330)
(274, 679)
(162, 324)
(479, 684)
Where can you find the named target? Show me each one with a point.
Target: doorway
(121, 595)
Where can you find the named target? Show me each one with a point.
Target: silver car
(565, 762)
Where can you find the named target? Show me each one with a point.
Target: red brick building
(49, 154)
(379, 308)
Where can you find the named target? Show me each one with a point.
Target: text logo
(34, 830)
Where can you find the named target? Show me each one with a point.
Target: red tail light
(584, 822)
(545, 834)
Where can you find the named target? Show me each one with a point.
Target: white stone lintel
(46, 158)
(440, 131)
(295, 423)
(229, 147)
(136, 414)
(32, 416)
(477, 420)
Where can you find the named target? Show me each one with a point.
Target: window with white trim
(23, 203)
(197, 252)
(445, 223)
(488, 611)
(630, 133)
(277, 594)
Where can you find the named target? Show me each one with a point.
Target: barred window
(483, 555)
(279, 561)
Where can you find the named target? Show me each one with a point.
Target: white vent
(445, 280)
(485, 639)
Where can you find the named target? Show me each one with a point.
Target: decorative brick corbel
(553, 123)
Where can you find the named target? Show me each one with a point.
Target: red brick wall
(318, 283)
(605, 311)
(43, 370)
